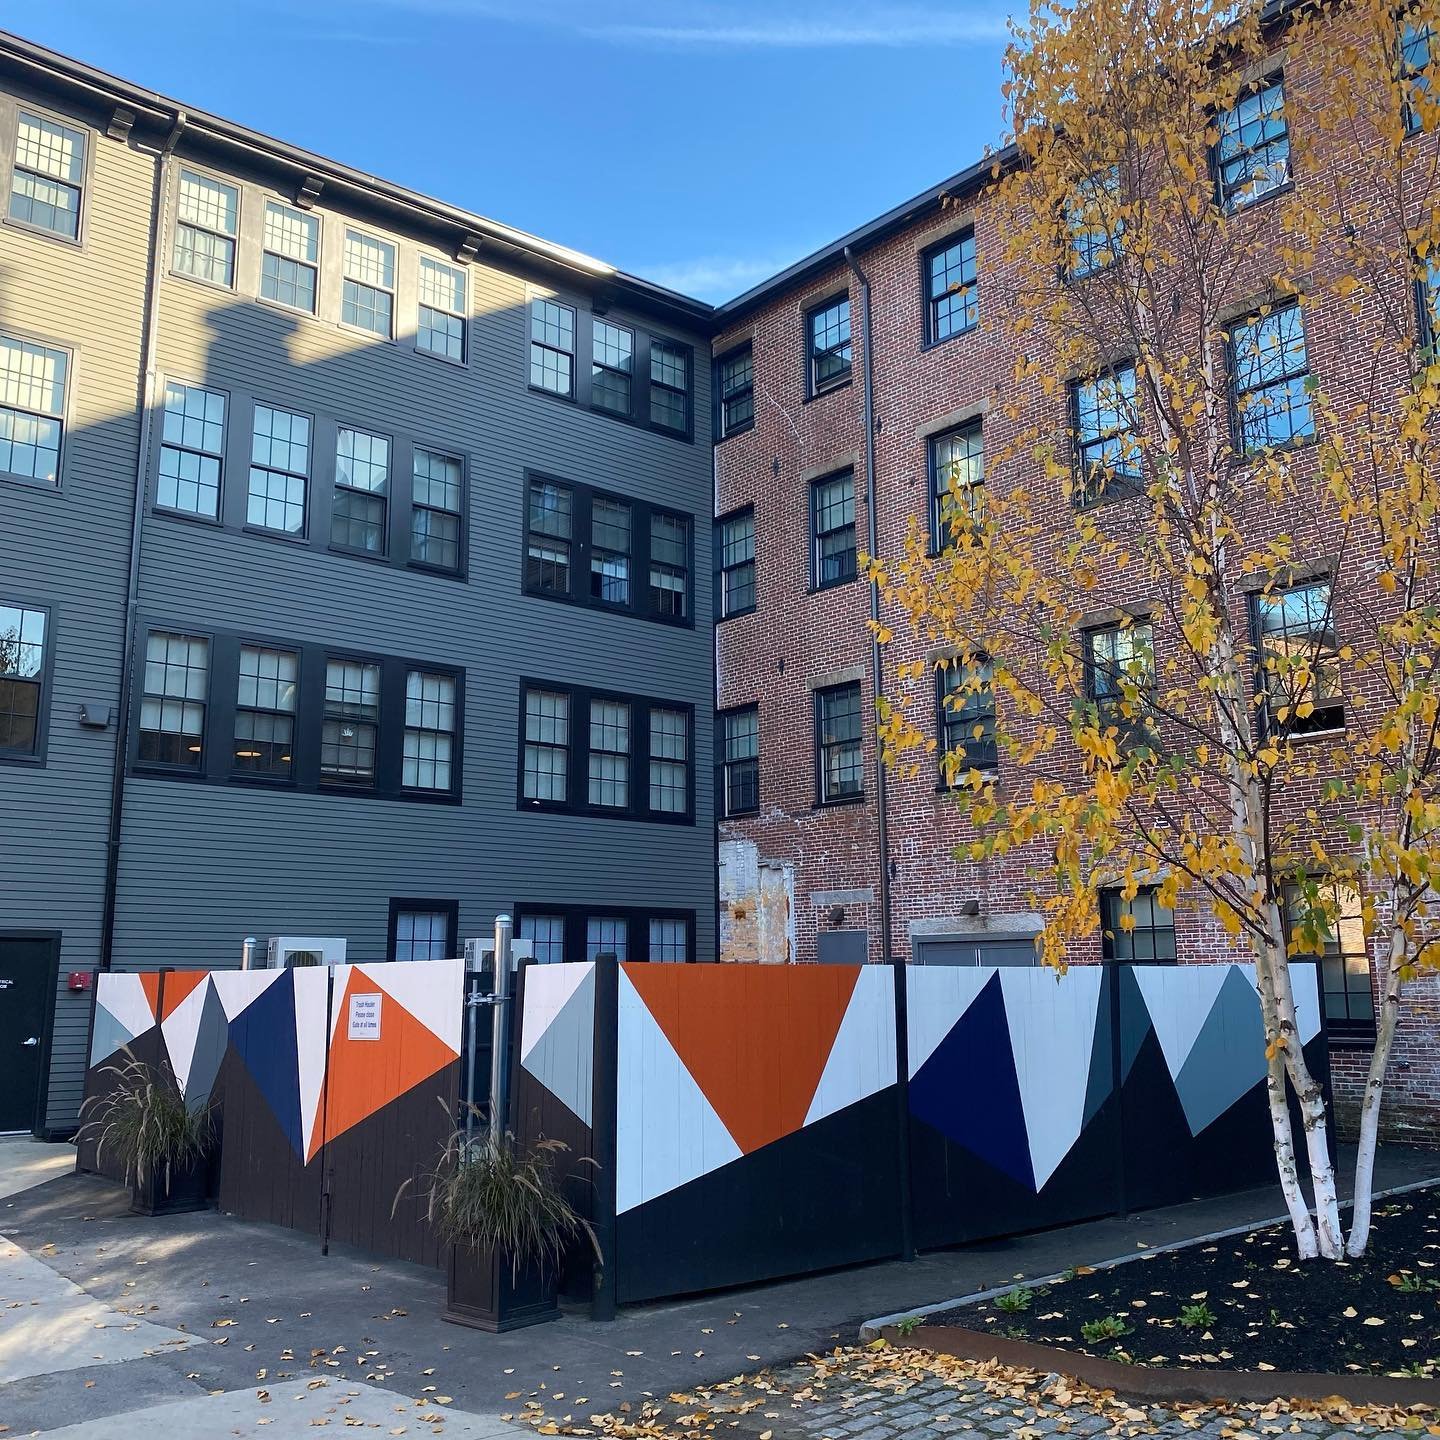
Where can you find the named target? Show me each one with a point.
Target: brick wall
(798, 639)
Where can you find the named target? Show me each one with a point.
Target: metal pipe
(145, 400)
(882, 828)
(247, 952)
(473, 1001)
(500, 1028)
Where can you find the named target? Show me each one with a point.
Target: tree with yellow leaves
(1200, 581)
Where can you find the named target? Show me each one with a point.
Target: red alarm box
(79, 980)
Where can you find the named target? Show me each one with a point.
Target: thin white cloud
(704, 24)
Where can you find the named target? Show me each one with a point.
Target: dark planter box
(482, 1291)
(188, 1188)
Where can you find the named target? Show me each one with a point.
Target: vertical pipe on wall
(500, 1027)
(604, 1119)
(882, 831)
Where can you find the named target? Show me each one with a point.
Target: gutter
(145, 401)
(882, 828)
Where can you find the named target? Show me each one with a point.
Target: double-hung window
(669, 386)
(550, 534)
(279, 471)
(623, 756)
(669, 565)
(350, 724)
(429, 731)
(423, 929)
(437, 510)
(735, 383)
(607, 935)
(827, 346)
(1149, 934)
(291, 255)
(1120, 678)
(546, 934)
(22, 679)
(552, 346)
(546, 765)
(47, 182)
(839, 744)
(669, 761)
(362, 489)
(737, 563)
(192, 450)
(609, 754)
(1427, 302)
(578, 932)
(265, 710)
(32, 409)
(740, 761)
(207, 217)
(957, 482)
(1252, 151)
(832, 530)
(1106, 423)
(367, 298)
(967, 719)
(1344, 956)
(1094, 229)
(1300, 658)
(952, 302)
(669, 941)
(610, 541)
(1270, 375)
(612, 371)
(441, 329)
(1417, 50)
(173, 700)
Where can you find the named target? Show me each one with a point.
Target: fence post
(499, 1028)
(604, 1091)
(1113, 976)
(900, 969)
(327, 1174)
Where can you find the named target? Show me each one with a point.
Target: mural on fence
(296, 1062)
(754, 1122)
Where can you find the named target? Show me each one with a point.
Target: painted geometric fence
(334, 1082)
(755, 1127)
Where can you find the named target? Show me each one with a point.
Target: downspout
(882, 829)
(145, 399)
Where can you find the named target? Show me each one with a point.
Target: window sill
(839, 803)
(731, 434)
(1130, 488)
(36, 761)
(1350, 1041)
(189, 517)
(440, 572)
(821, 587)
(675, 622)
(990, 772)
(1306, 737)
(1234, 212)
(927, 344)
(200, 280)
(740, 814)
(830, 389)
(30, 482)
(265, 533)
(598, 812)
(735, 615)
(293, 311)
(77, 242)
(461, 364)
(373, 337)
(1240, 458)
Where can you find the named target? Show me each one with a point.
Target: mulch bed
(1246, 1304)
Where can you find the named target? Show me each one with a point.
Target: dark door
(27, 971)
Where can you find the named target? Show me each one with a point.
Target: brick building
(815, 846)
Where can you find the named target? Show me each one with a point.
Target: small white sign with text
(365, 1017)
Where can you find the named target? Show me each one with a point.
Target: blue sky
(701, 144)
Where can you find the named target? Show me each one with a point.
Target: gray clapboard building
(354, 570)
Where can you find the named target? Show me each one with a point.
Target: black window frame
(221, 702)
(460, 569)
(823, 798)
(577, 747)
(269, 202)
(744, 352)
(952, 723)
(1133, 731)
(239, 710)
(1412, 76)
(337, 487)
(725, 763)
(637, 919)
(179, 224)
(1427, 304)
(415, 905)
(61, 419)
(1313, 724)
(1122, 484)
(1226, 193)
(724, 571)
(1241, 450)
(1347, 1031)
(44, 680)
(462, 314)
(578, 591)
(939, 540)
(582, 365)
(1111, 902)
(968, 292)
(850, 569)
(814, 354)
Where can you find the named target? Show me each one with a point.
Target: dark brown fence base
(1160, 1383)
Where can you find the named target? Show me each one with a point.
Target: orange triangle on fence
(366, 1075)
(179, 985)
(755, 1038)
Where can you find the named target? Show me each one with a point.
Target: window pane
(841, 746)
(1300, 651)
(550, 524)
(614, 361)
(741, 736)
(1253, 151)
(206, 216)
(441, 327)
(422, 935)
(1271, 376)
(954, 304)
(32, 402)
(833, 512)
(552, 346)
(49, 170)
(829, 333)
(669, 941)
(669, 385)
(22, 664)
(172, 706)
(737, 391)
(967, 719)
(438, 488)
(610, 551)
(669, 762)
(607, 935)
(737, 561)
(547, 934)
(609, 754)
(957, 479)
(547, 740)
(265, 709)
(669, 564)
(349, 731)
(429, 731)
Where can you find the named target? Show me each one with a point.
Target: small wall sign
(365, 1017)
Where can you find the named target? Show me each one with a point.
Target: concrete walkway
(26, 1162)
(263, 1307)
